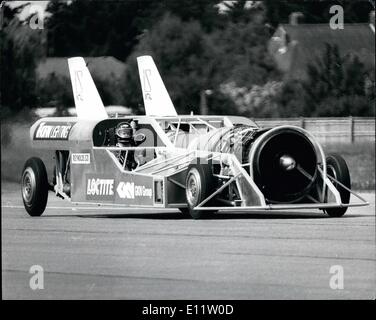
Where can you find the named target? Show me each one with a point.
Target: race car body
(198, 164)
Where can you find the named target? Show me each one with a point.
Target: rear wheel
(337, 168)
(34, 186)
(199, 185)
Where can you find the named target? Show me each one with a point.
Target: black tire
(337, 168)
(200, 177)
(34, 187)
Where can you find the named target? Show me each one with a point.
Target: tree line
(208, 56)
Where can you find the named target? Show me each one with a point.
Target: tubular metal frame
(264, 206)
(238, 171)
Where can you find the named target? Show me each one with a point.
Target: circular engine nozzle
(287, 162)
(284, 163)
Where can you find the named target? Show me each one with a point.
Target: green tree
(192, 61)
(20, 50)
(290, 100)
(204, 12)
(55, 91)
(336, 85)
(242, 54)
(112, 28)
(94, 28)
(179, 50)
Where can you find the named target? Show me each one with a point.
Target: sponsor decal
(53, 131)
(81, 158)
(99, 188)
(78, 76)
(147, 85)
(128, 190)
(125, 190)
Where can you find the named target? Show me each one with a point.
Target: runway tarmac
(149, 254)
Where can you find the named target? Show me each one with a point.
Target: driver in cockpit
(124, 133)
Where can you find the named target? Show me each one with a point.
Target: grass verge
(360, 158)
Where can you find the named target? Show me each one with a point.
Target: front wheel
(337, 168)
(34, 187)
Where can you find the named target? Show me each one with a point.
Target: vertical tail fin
(88, 102)
(156, 98)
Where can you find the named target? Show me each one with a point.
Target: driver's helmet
(124, 131)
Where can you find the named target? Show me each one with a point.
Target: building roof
(294, 46)
(100, 67)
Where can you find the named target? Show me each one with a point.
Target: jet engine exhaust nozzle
(284, 164)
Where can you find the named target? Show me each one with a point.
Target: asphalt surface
(92, 253)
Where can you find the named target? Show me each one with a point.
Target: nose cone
(287, 162)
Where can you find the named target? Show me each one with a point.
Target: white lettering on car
(100, 187)
(56, 132)
(128, 190)
(81, 158)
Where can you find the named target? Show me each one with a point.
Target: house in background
(295, 44)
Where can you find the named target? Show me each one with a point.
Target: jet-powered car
(198, 164)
